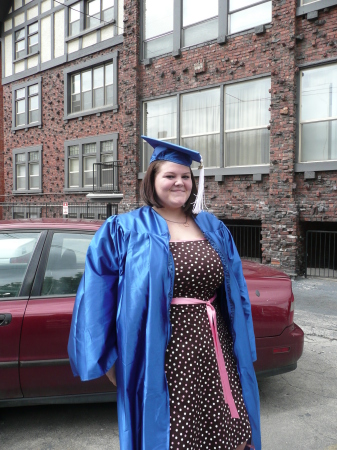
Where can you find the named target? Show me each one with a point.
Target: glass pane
(75, 84)
(34, 89)
(109, 74)
(319, 141)
(20, 106)
(88, 164)
(250, 17)
(74, 12)
(20, 119)
(76, 103)
(194, 11)
(33, 116)
(86, 100)
(238, 4)
(98, 77)
(247, 104)
(89, 148)
(93, 11)
(74, 28)
(98, 97)
(33, 103)
(20, 34)
(16, 252)
(158, 17)
(74, 165)
(21, 170)
(107, 159)
(33, 169)
(109, 95)
(205, 31)
(33, 43)
(86, 80)
(107, 4)
(33, 156)
(20, 93)
(107, 146)
(200, 113)
(208, 145)
(20, 49)
(108, 15)
(74, 179)
(65, 264)
(319, 93)
(20, 157)
(34, 28)
(247, 148)
(21, 183)
(158, 46)
(74, 150)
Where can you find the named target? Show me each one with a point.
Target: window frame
(222, 32)
(315, 5)
(81, 143)
(310, 166)
(26, 86)
(27, 151)
(83, 21)
(26, 39)
(79, 68)
(222, 170)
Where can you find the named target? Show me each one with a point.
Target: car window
(65, 264)
(16, 250)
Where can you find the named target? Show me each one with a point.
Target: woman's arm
(111, 374)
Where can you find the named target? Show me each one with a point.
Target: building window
(27, 41)
(169, 26)
(318, 114)
(246, 123)
(198, 117)
(26, 105)
(88, 14)
(80, 157)
(91, 88)
(98, 11)
(27, 170)
(246, 14)
(74, 19)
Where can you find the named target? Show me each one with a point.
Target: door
(19, 255)
(44, 363)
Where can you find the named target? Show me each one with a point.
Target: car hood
(270, 293)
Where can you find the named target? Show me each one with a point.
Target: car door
(44, 365)
(19, 256)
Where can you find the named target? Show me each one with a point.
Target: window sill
(28, 192)
(316, 166)
(25, 57)
(315, 6)
(98, 111)
(90, 30)
(26, 127)
(227, 171)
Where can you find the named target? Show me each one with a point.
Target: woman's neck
(176, 214)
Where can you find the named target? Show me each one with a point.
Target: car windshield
(16, 249)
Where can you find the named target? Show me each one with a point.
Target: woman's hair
(149, 194)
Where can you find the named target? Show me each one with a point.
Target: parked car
(39, 277)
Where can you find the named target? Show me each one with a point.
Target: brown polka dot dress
(199, 417)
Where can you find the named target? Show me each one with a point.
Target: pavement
(299, 409)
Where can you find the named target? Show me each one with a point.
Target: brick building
(250, 84)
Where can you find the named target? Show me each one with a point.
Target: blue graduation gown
(121, 316)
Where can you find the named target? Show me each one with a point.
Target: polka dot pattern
(199, 417)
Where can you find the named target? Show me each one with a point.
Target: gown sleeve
(92, 345)
(236, 266)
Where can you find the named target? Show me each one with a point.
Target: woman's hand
(111, 374)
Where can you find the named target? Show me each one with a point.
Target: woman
(163, 310)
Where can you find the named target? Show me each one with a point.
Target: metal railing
(321, 254)
(106, 177)
(247, 239)
(81, 210)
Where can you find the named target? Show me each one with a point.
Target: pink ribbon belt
(219, 356)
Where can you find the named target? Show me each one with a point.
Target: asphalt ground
(298, 409)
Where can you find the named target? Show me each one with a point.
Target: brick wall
(2, 181)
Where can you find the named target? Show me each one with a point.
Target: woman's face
(173, 184)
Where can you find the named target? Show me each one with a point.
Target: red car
(41, 264)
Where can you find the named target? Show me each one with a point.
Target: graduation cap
(166, 151)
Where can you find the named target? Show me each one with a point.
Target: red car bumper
(279, 354)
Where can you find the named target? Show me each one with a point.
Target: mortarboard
(166, 151)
